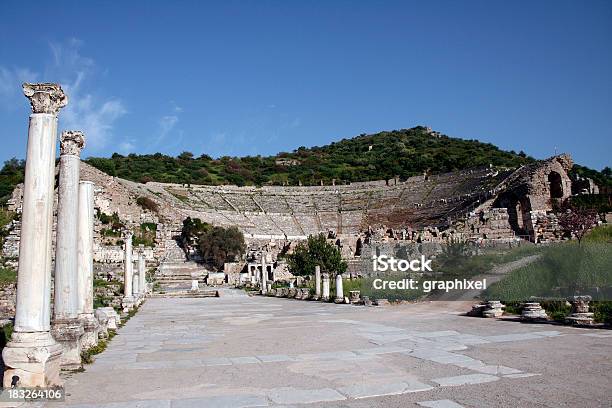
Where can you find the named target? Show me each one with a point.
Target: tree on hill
(216, 245)
(316, 251)
(383, 155)
(219, 245)
(12, 173)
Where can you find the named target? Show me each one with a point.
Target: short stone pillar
(66, 328)
(135, 284)
(580, 311)
(103, 319)
(325, 284)
(493, 308)
(85, 264)
(32, 357)
(317, 294)
(354, 296)
(195, 286)
(339, 292)
(264, 276)
(532, 311)
(142, 271)
(128, 295)
(477, 310)
(113, 317)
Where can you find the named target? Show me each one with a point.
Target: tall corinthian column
(142, 270)
(264, 274)
(136, 283)
(317, 295)
(128, 297)
(32, 357)
(85, 264)
(66, 328)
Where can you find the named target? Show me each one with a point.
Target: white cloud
(167, 123)
(126, 147)
(87, 110)
(10, 85)
(175, 107)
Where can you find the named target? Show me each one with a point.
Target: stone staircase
(175, 273)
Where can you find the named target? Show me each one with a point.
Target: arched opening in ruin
(555, 185)
(518, 209)
(518, 212)
(358, 247)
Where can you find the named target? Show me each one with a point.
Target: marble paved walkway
(239, 351)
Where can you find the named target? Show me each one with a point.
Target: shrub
(316, 251)
(5, 334)
(219, 245)
(148, 204)
(602, 311)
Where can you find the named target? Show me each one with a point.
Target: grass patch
(602, 233)
(7, 275)
(179, 196)
(87, 356)
(5, 334)
(563, 270)
(602, 311)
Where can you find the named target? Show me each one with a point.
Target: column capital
(127, 234)
(45, 97)
(72, 142)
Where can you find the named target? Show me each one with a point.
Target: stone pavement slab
(239, 351)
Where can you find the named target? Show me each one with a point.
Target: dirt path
(494, 275)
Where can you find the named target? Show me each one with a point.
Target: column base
(128, 303)
(32, 359)
(68, 334)
(91, 327)
(581, 319)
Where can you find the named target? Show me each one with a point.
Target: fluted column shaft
(128, 266)
(264, 275)
(142, 270)
(66, 276)
(318, 281)
(32, 357)
(85, 247)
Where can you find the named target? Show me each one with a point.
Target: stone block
(532, 311)
(32, 360)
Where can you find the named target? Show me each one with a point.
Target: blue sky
(259, 77)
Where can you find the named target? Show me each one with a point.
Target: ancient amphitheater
(482, 202)
(296, 212)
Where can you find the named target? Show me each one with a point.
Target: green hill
(383, 155)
